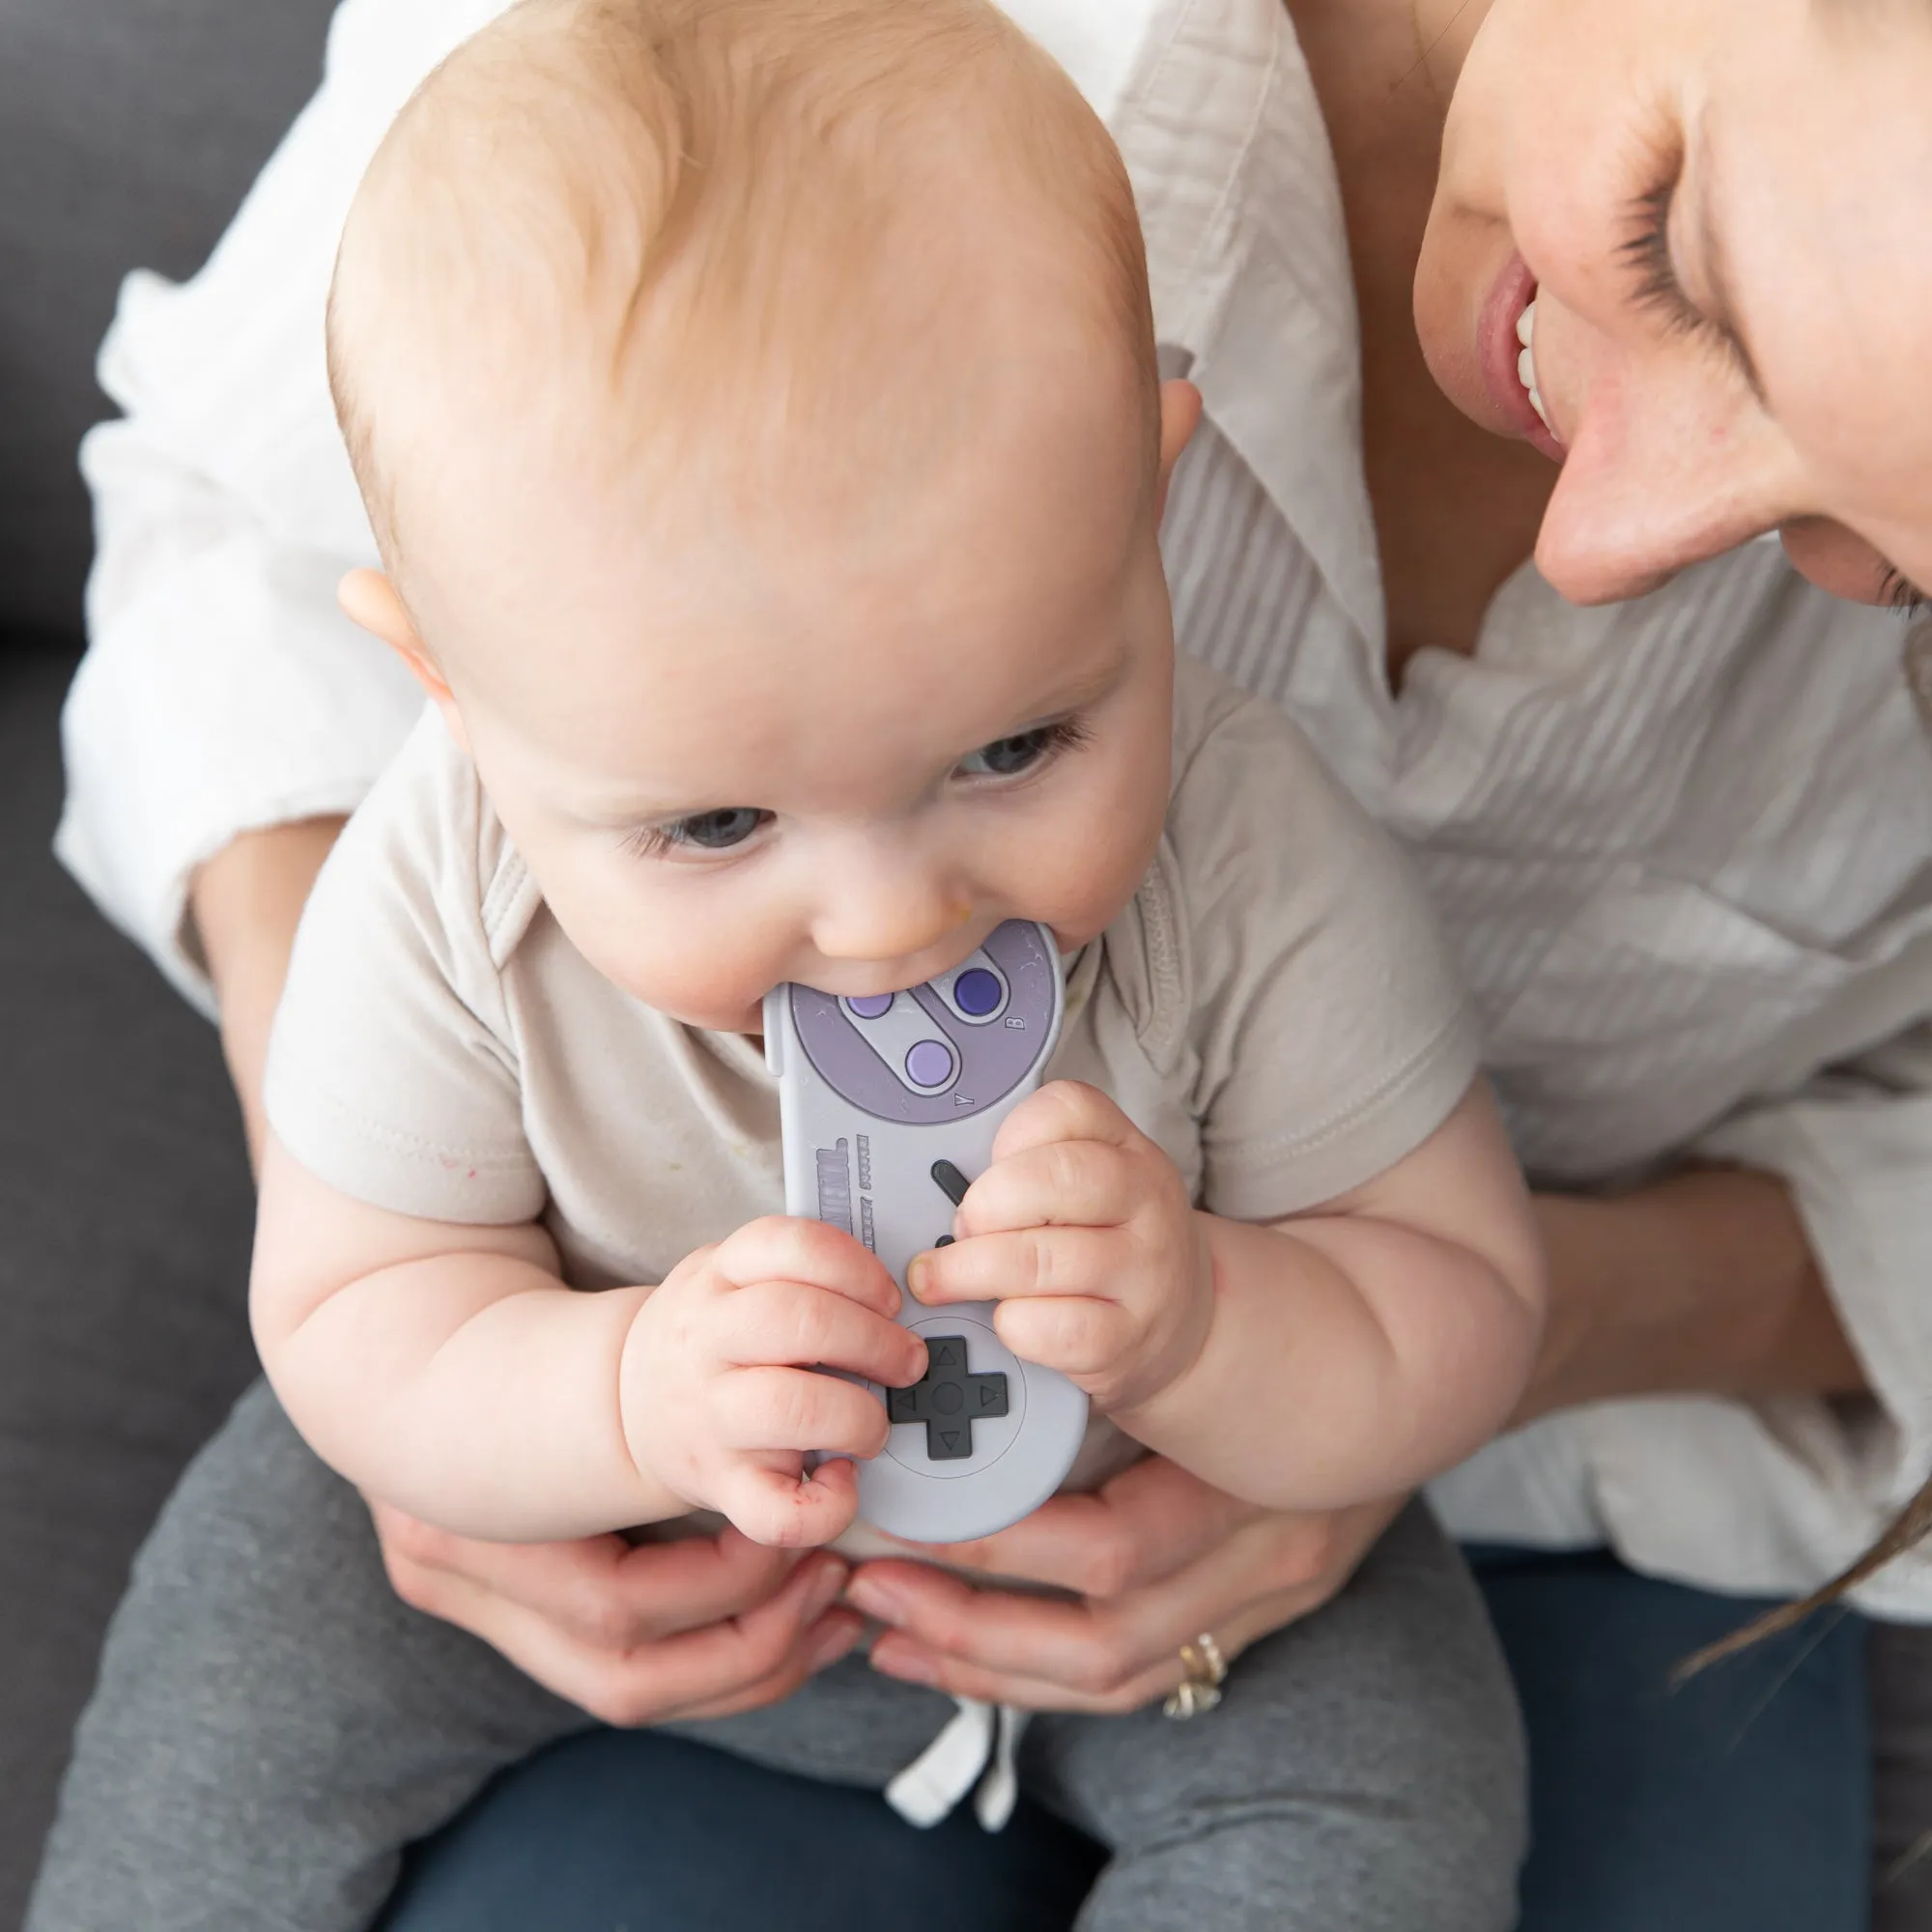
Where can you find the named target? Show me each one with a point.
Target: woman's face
(1721, 210)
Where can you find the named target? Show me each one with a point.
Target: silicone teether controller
(889, 1107)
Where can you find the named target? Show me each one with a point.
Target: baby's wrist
(1165, 1382)
(643, 1406)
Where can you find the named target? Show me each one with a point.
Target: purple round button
(977, 991)
(929, 1063)
(872, 1007)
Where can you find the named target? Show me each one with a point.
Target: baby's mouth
(1525, 364)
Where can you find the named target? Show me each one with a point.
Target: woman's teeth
(1525, 364)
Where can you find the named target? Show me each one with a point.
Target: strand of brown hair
(1912, 1527)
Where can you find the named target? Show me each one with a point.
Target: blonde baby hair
(743, 236)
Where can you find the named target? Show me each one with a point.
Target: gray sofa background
(129, 131)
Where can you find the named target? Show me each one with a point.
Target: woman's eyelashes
(1898, 591)
(1646, 251)
(1656, 284)
(1010, 757)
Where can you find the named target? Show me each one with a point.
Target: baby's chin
(707, 1017)
(704, 1010)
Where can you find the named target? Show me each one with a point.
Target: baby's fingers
(1020, 1265)
(783, 1247)
(788, 1324)
(790, 1511)
(1082, 1183)
(1085, 1339)
(1064, 1110)
(797, 1410)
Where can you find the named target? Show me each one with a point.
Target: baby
(755, 403)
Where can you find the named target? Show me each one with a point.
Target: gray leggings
(273, 1727)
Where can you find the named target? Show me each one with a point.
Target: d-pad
(949, 1400)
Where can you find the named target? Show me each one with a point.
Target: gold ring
(1205, 1670)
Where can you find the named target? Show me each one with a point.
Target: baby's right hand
(720, 1401)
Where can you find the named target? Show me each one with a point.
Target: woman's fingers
(1149, 1522)
(738, 1665)
(735, 1663)
(908, 1661)
(1103, 1654)
(602, 1591)
(835, 1636)
(1092, 1658)
(1086, 1649)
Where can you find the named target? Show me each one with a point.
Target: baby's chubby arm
(447, 1369)
(1346, 1353)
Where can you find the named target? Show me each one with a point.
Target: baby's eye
(712, 831)
(1008, 757)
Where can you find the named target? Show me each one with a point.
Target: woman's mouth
(1507, 355)
(1525, 364)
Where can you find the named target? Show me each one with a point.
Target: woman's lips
(1497, 350)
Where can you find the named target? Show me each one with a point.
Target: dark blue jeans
(1741, 1803)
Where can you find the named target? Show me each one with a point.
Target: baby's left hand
(1083, 1231)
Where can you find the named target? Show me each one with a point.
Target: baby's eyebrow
(622, 811)
(1088, 689)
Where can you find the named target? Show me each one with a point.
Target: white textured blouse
(1682, 845)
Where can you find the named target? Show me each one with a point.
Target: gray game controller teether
(889, 1107)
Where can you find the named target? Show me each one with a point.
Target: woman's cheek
(1455, 271)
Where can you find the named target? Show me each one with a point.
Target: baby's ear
(1180, 419)
(370, 599)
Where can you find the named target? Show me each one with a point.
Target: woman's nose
(1667, 461)
(879, 906)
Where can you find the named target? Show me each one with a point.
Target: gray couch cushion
(124, 1212)
(129, 131)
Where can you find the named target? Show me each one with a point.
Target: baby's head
(755, 404)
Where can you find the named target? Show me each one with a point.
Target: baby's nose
(876, 914)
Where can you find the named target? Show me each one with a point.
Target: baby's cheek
(717, 986)
(1084, 877)
(705, 970)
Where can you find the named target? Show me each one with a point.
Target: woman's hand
(699, 1628)
(1703, 1283)
(1154, 1559)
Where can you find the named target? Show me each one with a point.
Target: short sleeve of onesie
(392, 1073)
(1331, 1035)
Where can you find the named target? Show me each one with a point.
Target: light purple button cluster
(925, 1055)
(929, 1063)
